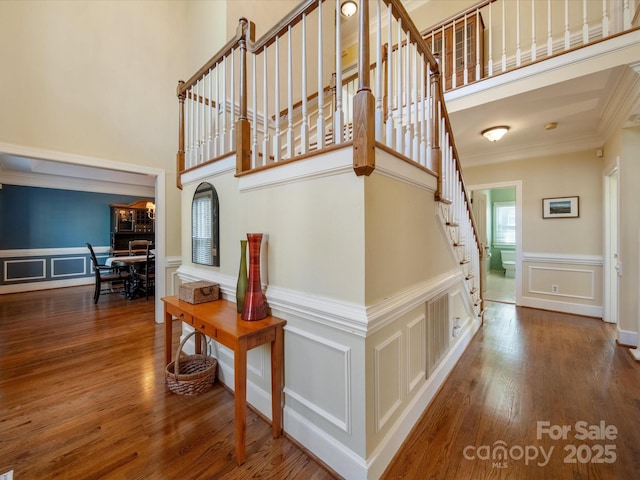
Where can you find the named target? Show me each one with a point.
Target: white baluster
(518, 51)
(454, 51)
(265, 107)
(605, 20)
(399, 129)
(478, 33)
(389, 137)
(427, 113)
(443, 60)
(504, 41)
(210, 115)
(320, 123)
(490, 72)
(424, 80)
(216, 117)
(201, 107)
(254, 102)
(549, 37)
(304, 132)
(567, 34)
(534, 48)
(338, 118)
(416, 125)
(585, 23)
(626, 16)
(223, 106)
(407, 92)
(189, 127)
(276, 134)
(465, 54)
(232, 105)
(289, 95)
(379, 109)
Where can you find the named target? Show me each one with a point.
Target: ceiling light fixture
(348, 8)
(494, 134)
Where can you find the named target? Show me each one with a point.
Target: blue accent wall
(33, 217)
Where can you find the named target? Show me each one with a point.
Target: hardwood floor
(82, 396)
(527, 366)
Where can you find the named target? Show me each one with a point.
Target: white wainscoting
(578, 279)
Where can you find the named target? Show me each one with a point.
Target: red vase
(255, 306)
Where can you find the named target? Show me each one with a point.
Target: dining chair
(137, 246)
(105, 274)
(147, 276)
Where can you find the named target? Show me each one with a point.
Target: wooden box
(199, 292)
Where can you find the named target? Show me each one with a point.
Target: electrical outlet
(554, 288)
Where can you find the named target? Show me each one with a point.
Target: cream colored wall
(400, 238)
(95, 79)
(206, 32)
(563, 252)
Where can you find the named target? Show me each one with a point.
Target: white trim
(627, 337)
(48, 252)
(335, 162)
(220, 167)
(381, 418)
(563, 258)
(337, 456)
(563, 307)
(34, 286)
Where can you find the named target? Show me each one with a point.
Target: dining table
(131, 262)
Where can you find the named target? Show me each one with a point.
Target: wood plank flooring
(82, 396)
(527, 366)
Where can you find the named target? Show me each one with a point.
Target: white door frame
(611, 264)
(517, 184)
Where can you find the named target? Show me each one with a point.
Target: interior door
(479, 208)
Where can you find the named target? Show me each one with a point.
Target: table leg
(276, 382)
(168, 335)
(240, 394)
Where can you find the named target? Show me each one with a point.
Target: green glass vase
(241, 287)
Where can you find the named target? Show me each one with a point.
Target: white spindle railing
(569, 24)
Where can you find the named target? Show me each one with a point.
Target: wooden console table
(220, 321)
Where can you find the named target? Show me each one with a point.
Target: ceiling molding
(622, 102)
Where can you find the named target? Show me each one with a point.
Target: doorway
(611, 246)
(498, 212)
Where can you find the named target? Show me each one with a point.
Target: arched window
(205, 226)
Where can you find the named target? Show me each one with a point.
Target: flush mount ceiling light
(494, 134)
(348, 8)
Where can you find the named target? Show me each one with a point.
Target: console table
(220, 321)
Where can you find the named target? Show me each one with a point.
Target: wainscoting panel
(68, 267)
(388, 382)
(32, 269)
(570, 282)
(319, 363)
(416, 353)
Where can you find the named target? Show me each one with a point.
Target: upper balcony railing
(496, 36)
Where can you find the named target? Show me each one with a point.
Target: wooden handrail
(291, 20)
(243, 29)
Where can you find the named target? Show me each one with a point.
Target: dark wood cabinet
(130, 222)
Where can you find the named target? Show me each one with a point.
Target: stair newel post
(435, 116)
(363, 104)
(180, 154)
(243, 127)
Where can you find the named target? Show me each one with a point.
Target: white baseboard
(564, 307)
(33, 286)
(341, 459)
(626, 337)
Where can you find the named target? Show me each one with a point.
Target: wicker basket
(191, 374)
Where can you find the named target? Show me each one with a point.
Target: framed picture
(561, 207)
